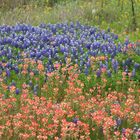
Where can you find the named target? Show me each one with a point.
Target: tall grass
(87, 12)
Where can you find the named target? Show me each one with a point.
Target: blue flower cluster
(56, 42)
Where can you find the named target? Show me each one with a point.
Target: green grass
(111, 16)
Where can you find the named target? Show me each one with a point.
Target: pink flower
(57, 66)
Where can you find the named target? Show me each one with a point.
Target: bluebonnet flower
(109, 73)
(88, 64)
(30, 83)
(45, 42)
(115, 65)
(86, 71)
(13, 83)
(0, 71)
(136, 65)
(16, 70)
(118, 122)
(7, 72)
(75, 120)
(116, 37)
(17, 91)
(126, 41)
(98, 73)
(128, 61)
(42, 25)
(35, 92)
(36, 88)
(8, 88)
(133, 72)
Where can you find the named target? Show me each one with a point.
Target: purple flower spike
(17, 91)
(75, 120)
(7, 72)
(98, 73)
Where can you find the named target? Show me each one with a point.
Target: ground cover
(68, 81)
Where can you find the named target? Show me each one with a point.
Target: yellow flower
(4, 74)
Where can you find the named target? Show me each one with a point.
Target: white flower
(93, 11)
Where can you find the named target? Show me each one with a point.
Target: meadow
(62, 77)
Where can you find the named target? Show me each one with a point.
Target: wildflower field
(68, 82)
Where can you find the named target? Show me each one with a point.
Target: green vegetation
(122, 16)
(64, 80)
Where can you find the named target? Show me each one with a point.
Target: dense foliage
(122, 15)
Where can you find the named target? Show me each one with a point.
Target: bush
(11, 4)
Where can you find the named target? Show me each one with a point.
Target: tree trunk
(134, 24)
(118, 3)
(102, 4)
(122, 5)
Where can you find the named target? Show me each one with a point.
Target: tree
(134, 24)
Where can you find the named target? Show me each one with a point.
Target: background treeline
(121, 15)
(15, 3)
